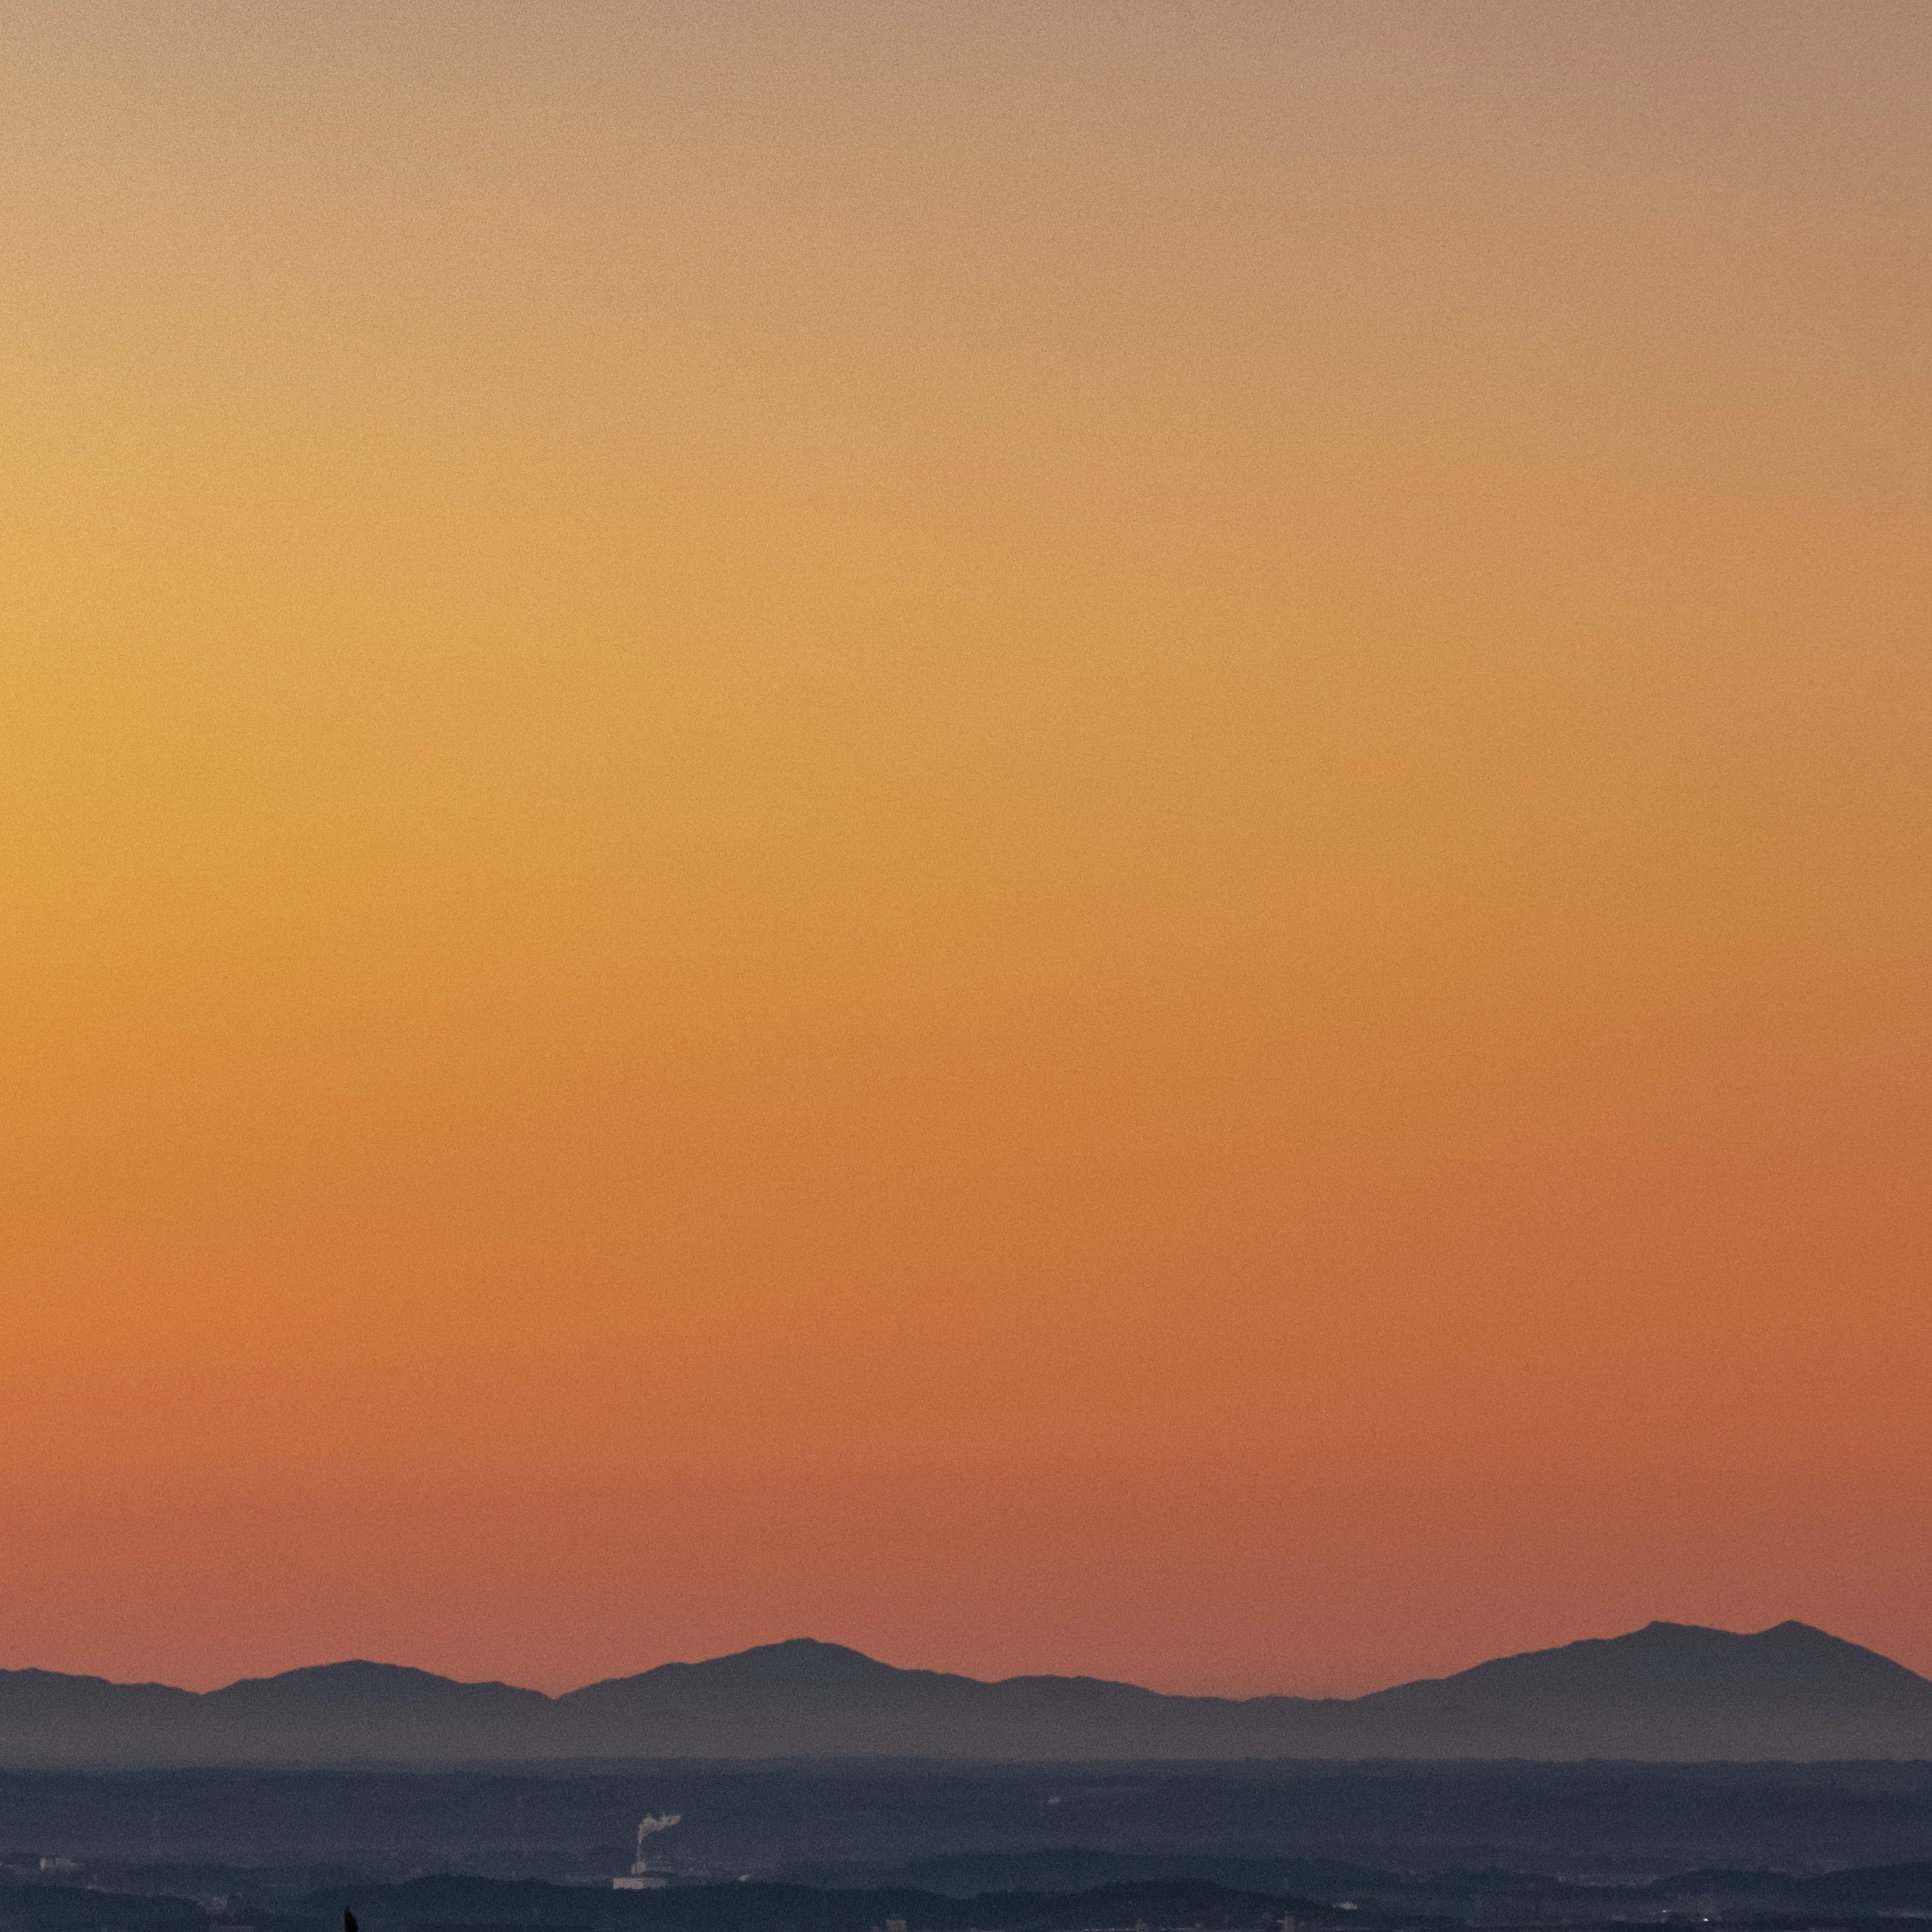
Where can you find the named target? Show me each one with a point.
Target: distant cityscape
(885, 1847)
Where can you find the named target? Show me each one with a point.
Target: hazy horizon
(944, 1670)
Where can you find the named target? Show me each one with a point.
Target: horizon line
(910, 1670)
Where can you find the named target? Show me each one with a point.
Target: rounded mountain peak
(798, 1662)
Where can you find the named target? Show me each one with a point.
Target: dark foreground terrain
(1858, 1900)
(849, 1847)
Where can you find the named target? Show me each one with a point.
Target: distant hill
(1668, 1691)
(472, 1904)
(467, 1904)
(1381, 1902)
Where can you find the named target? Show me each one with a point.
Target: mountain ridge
(1668, 1692)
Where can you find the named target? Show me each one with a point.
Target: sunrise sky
(1060, 836)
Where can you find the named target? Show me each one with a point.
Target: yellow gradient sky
(1060, 836)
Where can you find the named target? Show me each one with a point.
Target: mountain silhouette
(1667, 1693)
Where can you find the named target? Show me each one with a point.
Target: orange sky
(1088, 837)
